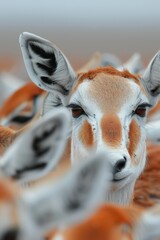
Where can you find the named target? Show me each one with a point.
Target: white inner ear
(63, 74)
(151, 78)
(39, 59)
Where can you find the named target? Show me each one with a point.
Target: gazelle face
(108, 114)
(108, 106)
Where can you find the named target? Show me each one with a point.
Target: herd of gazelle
(105, 139)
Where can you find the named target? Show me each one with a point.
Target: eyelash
(77, 111)
(141, 110)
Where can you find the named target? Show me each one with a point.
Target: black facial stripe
(48, 81)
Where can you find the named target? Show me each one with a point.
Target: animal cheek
(134, 139)
(86, 135)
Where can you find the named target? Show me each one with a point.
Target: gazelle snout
(119, 165)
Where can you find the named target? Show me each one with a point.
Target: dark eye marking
(141, 109)
(77, 111)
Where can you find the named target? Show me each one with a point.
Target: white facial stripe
(116, 99)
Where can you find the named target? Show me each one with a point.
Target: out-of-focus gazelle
(71, 208)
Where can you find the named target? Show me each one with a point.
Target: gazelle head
(37, 151)
(108, 106)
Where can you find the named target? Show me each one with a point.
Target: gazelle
(112, 222)
(37, 151)
(108, 106)
(27, 97)
(33, 213)
(75, 216)
(70, 208)
(22, 105)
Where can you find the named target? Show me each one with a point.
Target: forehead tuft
(107, 70)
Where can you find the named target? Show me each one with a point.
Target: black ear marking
(46, 69)
(77, 195)
(73, 204)
(19, 172)
(155, 91)
(40, 52)
(47, 80)
(11, 234)
(51, 82)
(50, 60)
(36, 144)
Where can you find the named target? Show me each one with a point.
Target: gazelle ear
(151, 79)
(133, 65)
(71, 199)
(109, 59)
(35, 152)
(153, 131)
(46, 65)
(148, 225)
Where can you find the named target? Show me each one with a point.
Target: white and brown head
(109, 108)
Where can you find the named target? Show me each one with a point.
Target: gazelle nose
(120, 164)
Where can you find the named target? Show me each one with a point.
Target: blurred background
(81, 27)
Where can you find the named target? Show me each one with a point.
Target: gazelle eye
(77, 111)
(141, 109)
(141, 112)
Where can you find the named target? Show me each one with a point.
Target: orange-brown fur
(8, 191)
(26, 93)
(111, 130)
(102, 91)
(107, 70)
(6, 138)
(86, 134)
(134, 138)
(147, 188)
(109, 222)
(154, 110)
(90, 75)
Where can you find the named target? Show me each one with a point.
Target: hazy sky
(81, 27)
